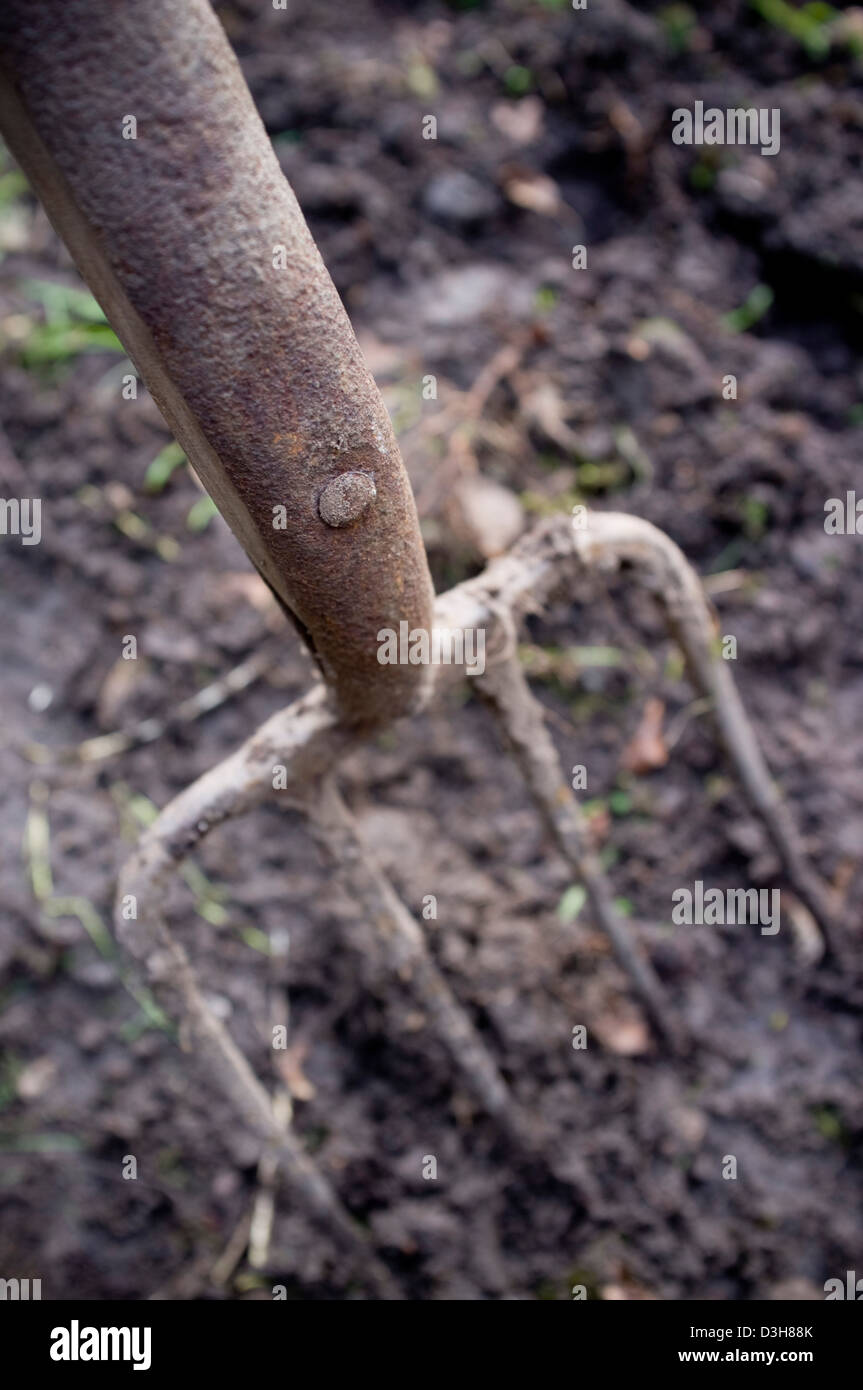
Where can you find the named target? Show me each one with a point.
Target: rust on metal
(190, 237)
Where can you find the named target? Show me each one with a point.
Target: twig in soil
(264, 1205)
(223, 1269)
(37, 856)
(459, 420)
(149, 730)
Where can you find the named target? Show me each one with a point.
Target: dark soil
(439, 267)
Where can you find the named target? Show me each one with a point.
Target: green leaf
(201, 514)
(166, 462)
(571, 903)
(753, 308)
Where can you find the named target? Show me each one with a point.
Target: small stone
(36, 1077)
(346, 498)
(40, 698)
(485, 514)
(457, 197)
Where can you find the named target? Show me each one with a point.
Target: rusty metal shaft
(134, 125)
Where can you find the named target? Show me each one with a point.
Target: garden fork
(137, 132)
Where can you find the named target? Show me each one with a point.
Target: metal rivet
(346, 498)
